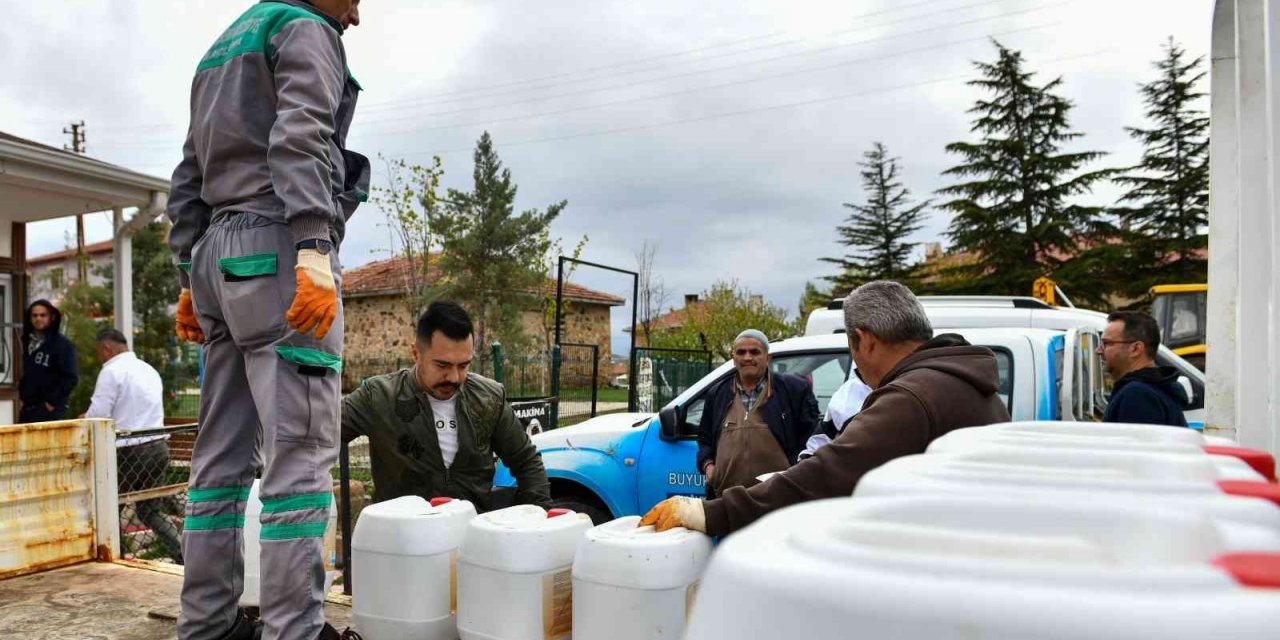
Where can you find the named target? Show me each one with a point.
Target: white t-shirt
(445, 413)
(129, 391)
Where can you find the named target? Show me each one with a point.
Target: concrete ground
(101, 601)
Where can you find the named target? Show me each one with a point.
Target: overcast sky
(727, 131)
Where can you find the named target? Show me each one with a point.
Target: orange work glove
(315, 304)
(187, 328)
(679, 511)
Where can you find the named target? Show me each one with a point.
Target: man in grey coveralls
(259, 205)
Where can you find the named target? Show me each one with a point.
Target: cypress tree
(1013, 206)
(878, 228)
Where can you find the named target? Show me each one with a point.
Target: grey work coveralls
(263, 168)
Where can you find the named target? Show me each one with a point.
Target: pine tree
(1169, 188)
(1014, 210)
(877, 230)
(492, 258)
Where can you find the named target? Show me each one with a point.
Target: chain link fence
(152, 468)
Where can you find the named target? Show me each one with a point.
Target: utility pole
(77, 137)
(77, 145)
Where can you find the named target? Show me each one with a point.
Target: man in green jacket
(434, 429)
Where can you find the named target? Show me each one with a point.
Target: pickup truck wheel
(599, 515)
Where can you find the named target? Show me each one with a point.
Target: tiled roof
(388, 277)
(58, 256)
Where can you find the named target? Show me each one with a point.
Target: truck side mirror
(1186, 386)
(669, 419)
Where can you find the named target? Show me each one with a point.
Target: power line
(483, 89)
(741, 112)
(146, 145)
(846, 63)
(739, 65)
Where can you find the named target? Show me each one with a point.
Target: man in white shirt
(845, 403)
(129, 391)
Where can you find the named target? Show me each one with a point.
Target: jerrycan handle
(1261, 461)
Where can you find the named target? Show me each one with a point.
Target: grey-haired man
(925, 386)
(755, 422)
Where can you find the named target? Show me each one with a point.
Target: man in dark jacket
(434, 429)
(924, 387)
(49, 366)
(755, 422)
(1143, 393)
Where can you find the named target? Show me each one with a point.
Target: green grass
(604, 394)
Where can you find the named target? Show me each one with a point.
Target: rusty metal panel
(47, 497)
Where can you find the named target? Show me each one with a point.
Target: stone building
(379, 323)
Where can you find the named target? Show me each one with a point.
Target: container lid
(523, 539)
(621, 554)
(411, 526)
(1040, 474)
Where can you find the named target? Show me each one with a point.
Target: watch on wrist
(321, 246)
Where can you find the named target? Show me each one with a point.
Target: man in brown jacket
(924, 387)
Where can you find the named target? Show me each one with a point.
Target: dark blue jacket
(1148, 396)
(50, 371)
(791, 413)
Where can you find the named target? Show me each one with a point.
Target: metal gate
(663, 374)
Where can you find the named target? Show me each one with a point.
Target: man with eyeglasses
(756, 422)
(1143, 393)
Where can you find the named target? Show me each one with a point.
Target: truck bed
(101, 601)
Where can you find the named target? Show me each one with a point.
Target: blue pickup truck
(622, 464)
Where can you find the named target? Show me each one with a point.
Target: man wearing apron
(259, 205)
(756, 422)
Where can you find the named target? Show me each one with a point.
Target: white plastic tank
(632, 583)
(250, 597)
(1234, 462)
(1147, 479)
(404, 568)
(955, 566)
(515, 578)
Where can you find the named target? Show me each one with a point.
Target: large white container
(404, 562)
(1145, 479)
(633, 583)
(954, 566)
(250, 597)
(1233, 462)
(515, 577)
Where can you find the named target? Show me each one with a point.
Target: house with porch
(40, 182)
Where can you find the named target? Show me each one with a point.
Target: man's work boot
(329, 633)
(243, 628)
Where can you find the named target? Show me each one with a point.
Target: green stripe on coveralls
(292, 530)
(217, 493)
(310, 357)
(211, 523)
(185, 266)
(252, 33)
(298, 502)
(259, 264)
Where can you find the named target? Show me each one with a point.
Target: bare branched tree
(653, 293)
